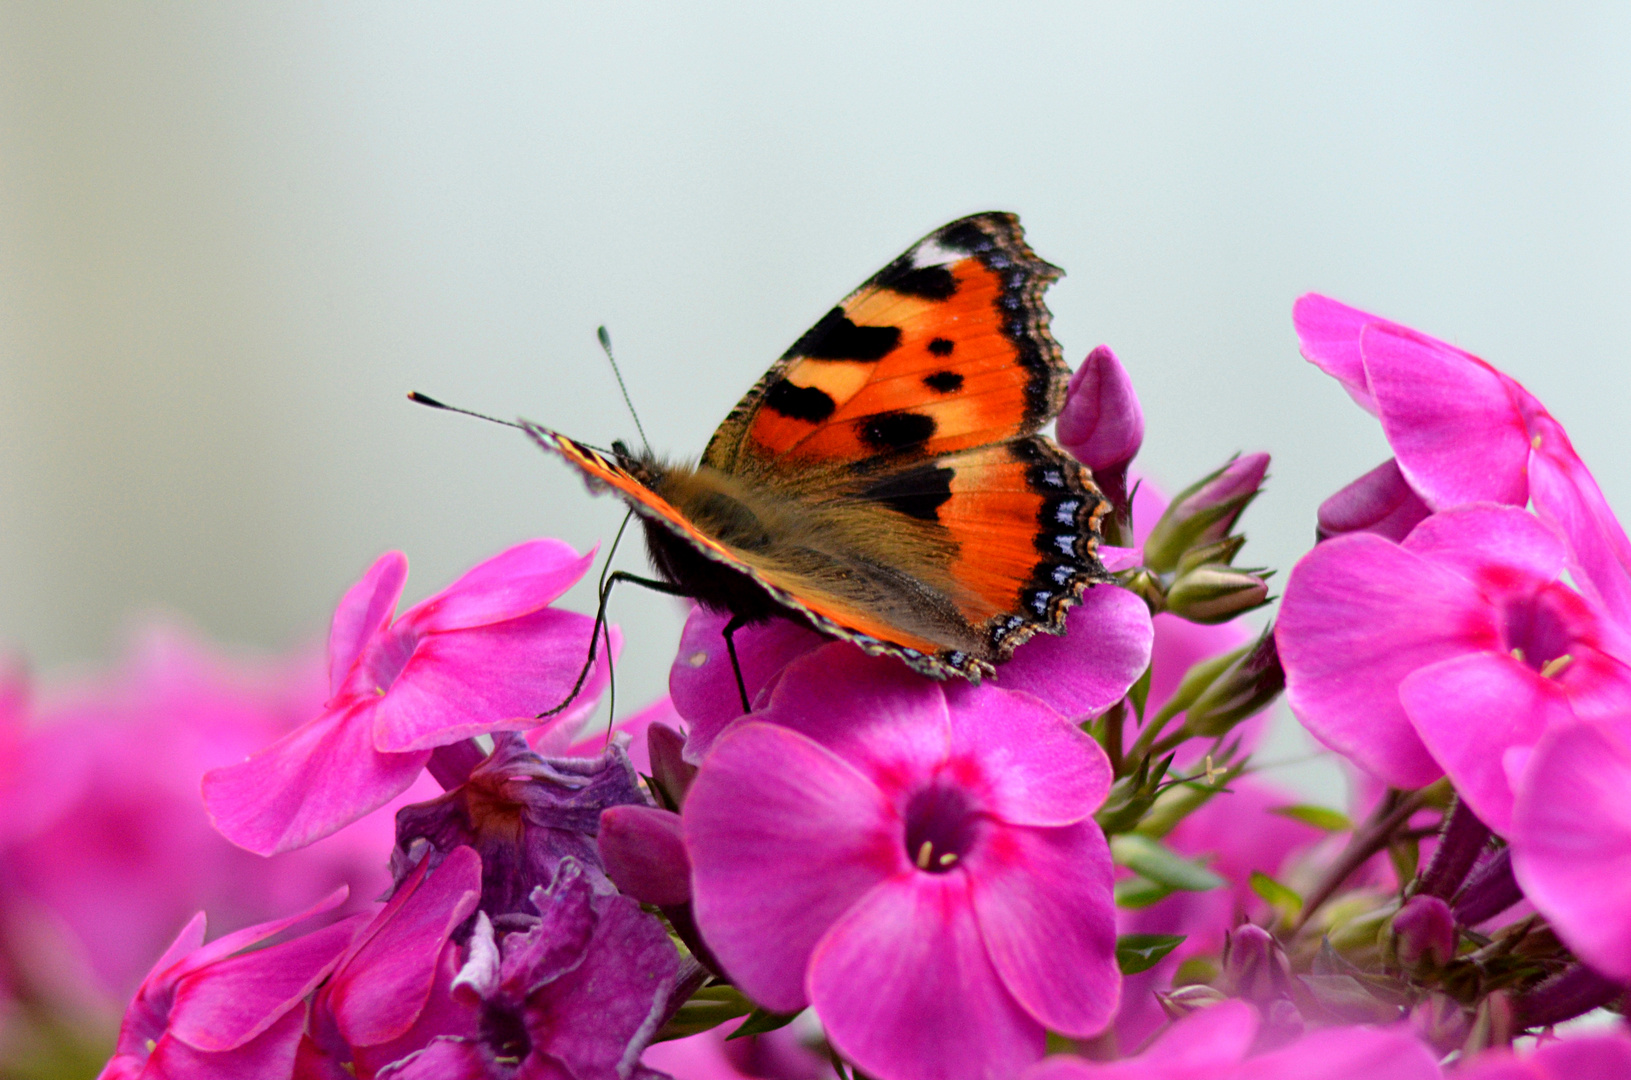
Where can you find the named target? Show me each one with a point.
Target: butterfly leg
(600, 627)
(736, 623)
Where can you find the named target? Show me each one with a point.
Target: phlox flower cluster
(425, 869)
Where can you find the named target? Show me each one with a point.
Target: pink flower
(1450, 652)
(1101, 424)
(486, 654)
(1105, 650)
(214, 1010)
(1586, 1057)
(917, 861)
(391, 993)
(712, 1055)
(1571, 841)
(106, 848)
(1465, 432)
(1215, 1043)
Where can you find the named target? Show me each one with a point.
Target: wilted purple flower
(918, 862)
(214, 1010)
(522, 814)
(485, 654)
(390, 994)
(580, 993)
(1444, 653)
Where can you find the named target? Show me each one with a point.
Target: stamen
(697, 659)
(924, 853)
(1535, 442)
(1517, 654)
(948, 858)
(1555, 665)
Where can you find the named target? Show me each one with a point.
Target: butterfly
(884, 482)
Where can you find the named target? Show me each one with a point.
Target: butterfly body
(883, 482)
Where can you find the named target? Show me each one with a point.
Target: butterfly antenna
(425, 399)
(606, 346)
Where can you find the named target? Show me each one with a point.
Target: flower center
(1538, 630)
(505, 1033)
(386, 659)
(941, 828)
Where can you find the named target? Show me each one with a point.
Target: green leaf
(1321, 817)
(1161, 864)
(1279, 897)
(1140, 952)
(1139, 892)
(759, 1021)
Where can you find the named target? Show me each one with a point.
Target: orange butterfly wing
(886, 470)
(946, 348)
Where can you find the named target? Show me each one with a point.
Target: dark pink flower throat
(942, 826)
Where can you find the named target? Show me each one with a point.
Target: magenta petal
(1565, 493)
(512, 583)
(1030, 765)
(1452, 424)
(905, 989)
(1105, 649)
(313, 781)
(1571, 842)
(1329, 334)
(784, 837)
(385, 983)
(1489, 543)
(1381, 501)
(1207, 1043)
(364, 611)
(488, 678)
(268, 1056)
(872, 711)
(1347, 1053)
(1047, 916)
(1470, 711)
(702, 683)
(225, 1005)
(1360, 613)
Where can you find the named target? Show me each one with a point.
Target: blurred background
(233, 236)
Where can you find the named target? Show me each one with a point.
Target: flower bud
(1254, 965)
(1183, 1000)
(672, 772)
(644, 853)
(1101, 424)
(1490, 890)
(1422, 936)
(1380, 502)
(1245, 688)
(1205, 512)
(1215, 593)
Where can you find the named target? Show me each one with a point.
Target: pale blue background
(232, 236)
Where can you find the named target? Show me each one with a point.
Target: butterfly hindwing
(946, 348)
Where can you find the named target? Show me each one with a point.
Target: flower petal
(1028, 764)
(702, 683)
(494, 677)
(905, 989)
(1206, 1043)
(1047, 916)
(1328, 332)
(1453, 425)
(1566, 494)
(1489, 544)
(511, 584)
(1381, 501)
(1105, 649)
(364, 611)
(1571, 842)
(1346, 1053)
(1470, 710)
(269, 1056)
(313, 781)
(784, 837)
(1360, 613)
